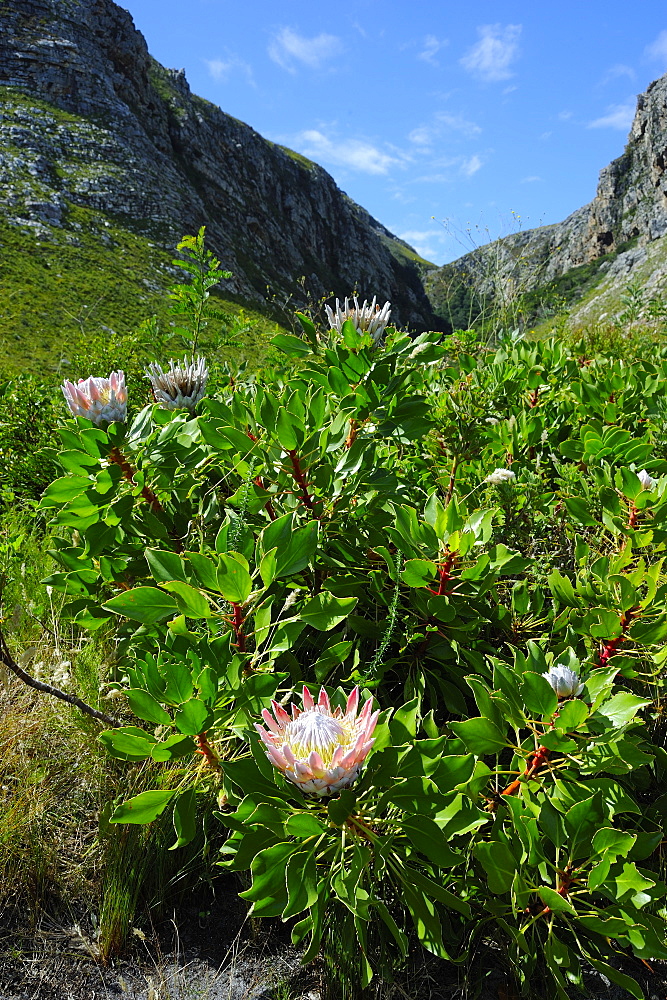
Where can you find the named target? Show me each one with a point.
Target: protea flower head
(366, 318)
(500, 476)
(320, 750)
(182, 386)
(102, 400)
(564, 681)
(648, 482)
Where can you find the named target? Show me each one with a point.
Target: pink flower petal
(271, 722)
(316, 765)
(280, 713)
(276, 758)
(286, 751)
(323, 700)
(352, 702)
(307, 699)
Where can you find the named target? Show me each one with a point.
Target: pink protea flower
(102, 400)
(320, 750)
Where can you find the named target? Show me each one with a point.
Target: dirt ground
(217, 954)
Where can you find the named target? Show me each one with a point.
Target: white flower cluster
(366, 318)
(182, 386)
(500, 476)
(564, 681)
(648, 482)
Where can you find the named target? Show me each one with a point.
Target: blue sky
(448, 122)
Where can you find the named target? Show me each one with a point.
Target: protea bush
(326, 527)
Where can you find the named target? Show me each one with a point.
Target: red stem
(610, 648)
(300, 479)
(116, 455)
(532, 402)
(352, 435)
(452, 480)
(207, 751)
(237, 625)
(535, 761)
(444, 575)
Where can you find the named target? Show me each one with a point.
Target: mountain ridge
(145, 151)
(622, 232)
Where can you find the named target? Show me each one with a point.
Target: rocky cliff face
(108, 129)
(630, 207)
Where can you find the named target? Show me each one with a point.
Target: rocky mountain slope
(621, 236)
(100, 143)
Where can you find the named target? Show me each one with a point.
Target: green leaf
(143, 808)
(538, 694)
(292, 346)
(301, 882)
(555, 901)
(62, 490)
(480, 736)
(325, 611)
(287, 430)
(428, 838)
(403, 725)
(571, 716)
(146, 707)
(303, 825)
(185, 818)
(625, 982)
(234, 580)
(613, 842)
(580, 511)
(630, 881)
(622, 707)
(173, 747)
(499, 864)
(193, 718)
(419, 573)
(296, 555)
(165, 565)
(147, 605)
(205, 570)
(128, 743)
(191, 602)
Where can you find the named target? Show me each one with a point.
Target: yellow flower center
(313, 730)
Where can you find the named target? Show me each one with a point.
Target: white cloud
(432, 46)
(564, 116)
(471, 165)
(618, 116)
(425, 135)
(530, 180)
(658, 48)
(222, 69)
(289, 47)
(618, 70)
(496, 50)
(427, 242)
(353, 153)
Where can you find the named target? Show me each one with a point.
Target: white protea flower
(648, 482)
(320, 750)
(500, 476)
(182, 386)
(366, 318)
(564, 681)
(102, 400)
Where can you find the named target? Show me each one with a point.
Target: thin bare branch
(8, 660)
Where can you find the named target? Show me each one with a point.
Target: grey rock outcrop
(112, 130)
(630, 206)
